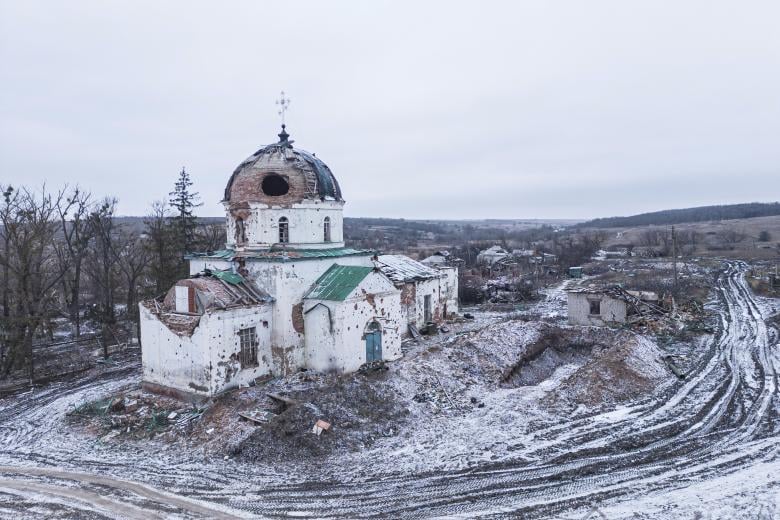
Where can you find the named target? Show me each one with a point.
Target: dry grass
(711, 237)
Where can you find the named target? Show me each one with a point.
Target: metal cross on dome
(284, 104)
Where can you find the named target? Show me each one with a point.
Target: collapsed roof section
(215, 289)
(401, 269)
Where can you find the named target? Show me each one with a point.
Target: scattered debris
(257, 416)
(669, 360)
(320, 426)
(285, 400)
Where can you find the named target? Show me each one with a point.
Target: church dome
(280, 174)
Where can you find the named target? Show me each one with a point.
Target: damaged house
(296, 297)
(428, 294)
(491, 255)
(610, 305)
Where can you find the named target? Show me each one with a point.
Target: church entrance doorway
(373, 342)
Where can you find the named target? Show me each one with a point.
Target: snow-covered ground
(705, 447)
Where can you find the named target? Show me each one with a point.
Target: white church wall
(344, 349)
(425, 288)
(207, 361)
(287, 282)
(449, 288)
(305, 225)
(175, 361)
(320, 351)
(224, 328)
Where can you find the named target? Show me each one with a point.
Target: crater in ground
(542, 362)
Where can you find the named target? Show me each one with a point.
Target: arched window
(326, 229)
(240, 232)
(284, 230)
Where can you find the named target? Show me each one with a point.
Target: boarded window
(326, 229)
(248, 341)
(595, 307)
(185, 299)
(284, 230)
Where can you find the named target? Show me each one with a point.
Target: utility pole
(674, 260)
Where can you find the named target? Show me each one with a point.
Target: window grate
(248, 341)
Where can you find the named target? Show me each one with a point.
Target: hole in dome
(275, 185)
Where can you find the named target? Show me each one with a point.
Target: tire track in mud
(696, 432)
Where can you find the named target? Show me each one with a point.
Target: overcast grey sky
(422, 109)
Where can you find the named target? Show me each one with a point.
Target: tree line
(66, 257)
(679, 216)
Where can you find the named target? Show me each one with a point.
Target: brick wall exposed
(247, 187)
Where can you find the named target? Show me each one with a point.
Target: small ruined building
(491, 255)
(608, 306)
(285, 293)
(442, 259)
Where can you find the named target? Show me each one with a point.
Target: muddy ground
(499, 424)
(438, 380)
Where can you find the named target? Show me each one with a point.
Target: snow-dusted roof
(494, 250)
(401, 268)
(434, 259)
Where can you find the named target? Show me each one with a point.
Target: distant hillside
(679, 216)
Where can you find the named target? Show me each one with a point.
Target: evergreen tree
(183, 202)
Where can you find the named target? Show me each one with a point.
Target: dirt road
(723, 419)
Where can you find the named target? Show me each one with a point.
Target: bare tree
(731, 236)
(6, 217)
(211, 237)
(101, 267)
(165, 265)
(132, 257)
(77, 234)
(29, 258)
(650, 238)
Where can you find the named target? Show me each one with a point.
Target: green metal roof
(280, 255)
(338, 282)
(228, 276)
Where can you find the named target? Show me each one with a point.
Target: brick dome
(280, 174)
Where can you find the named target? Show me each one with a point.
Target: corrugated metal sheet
(401, 268)
(338, 282)
(281, 255)
(228, 276)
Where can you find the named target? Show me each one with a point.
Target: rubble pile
(623, 366)
(136, 414)
(445, 378)
(338, 413)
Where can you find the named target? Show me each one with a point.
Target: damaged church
(285, 293)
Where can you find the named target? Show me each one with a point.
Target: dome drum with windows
(283, 197)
